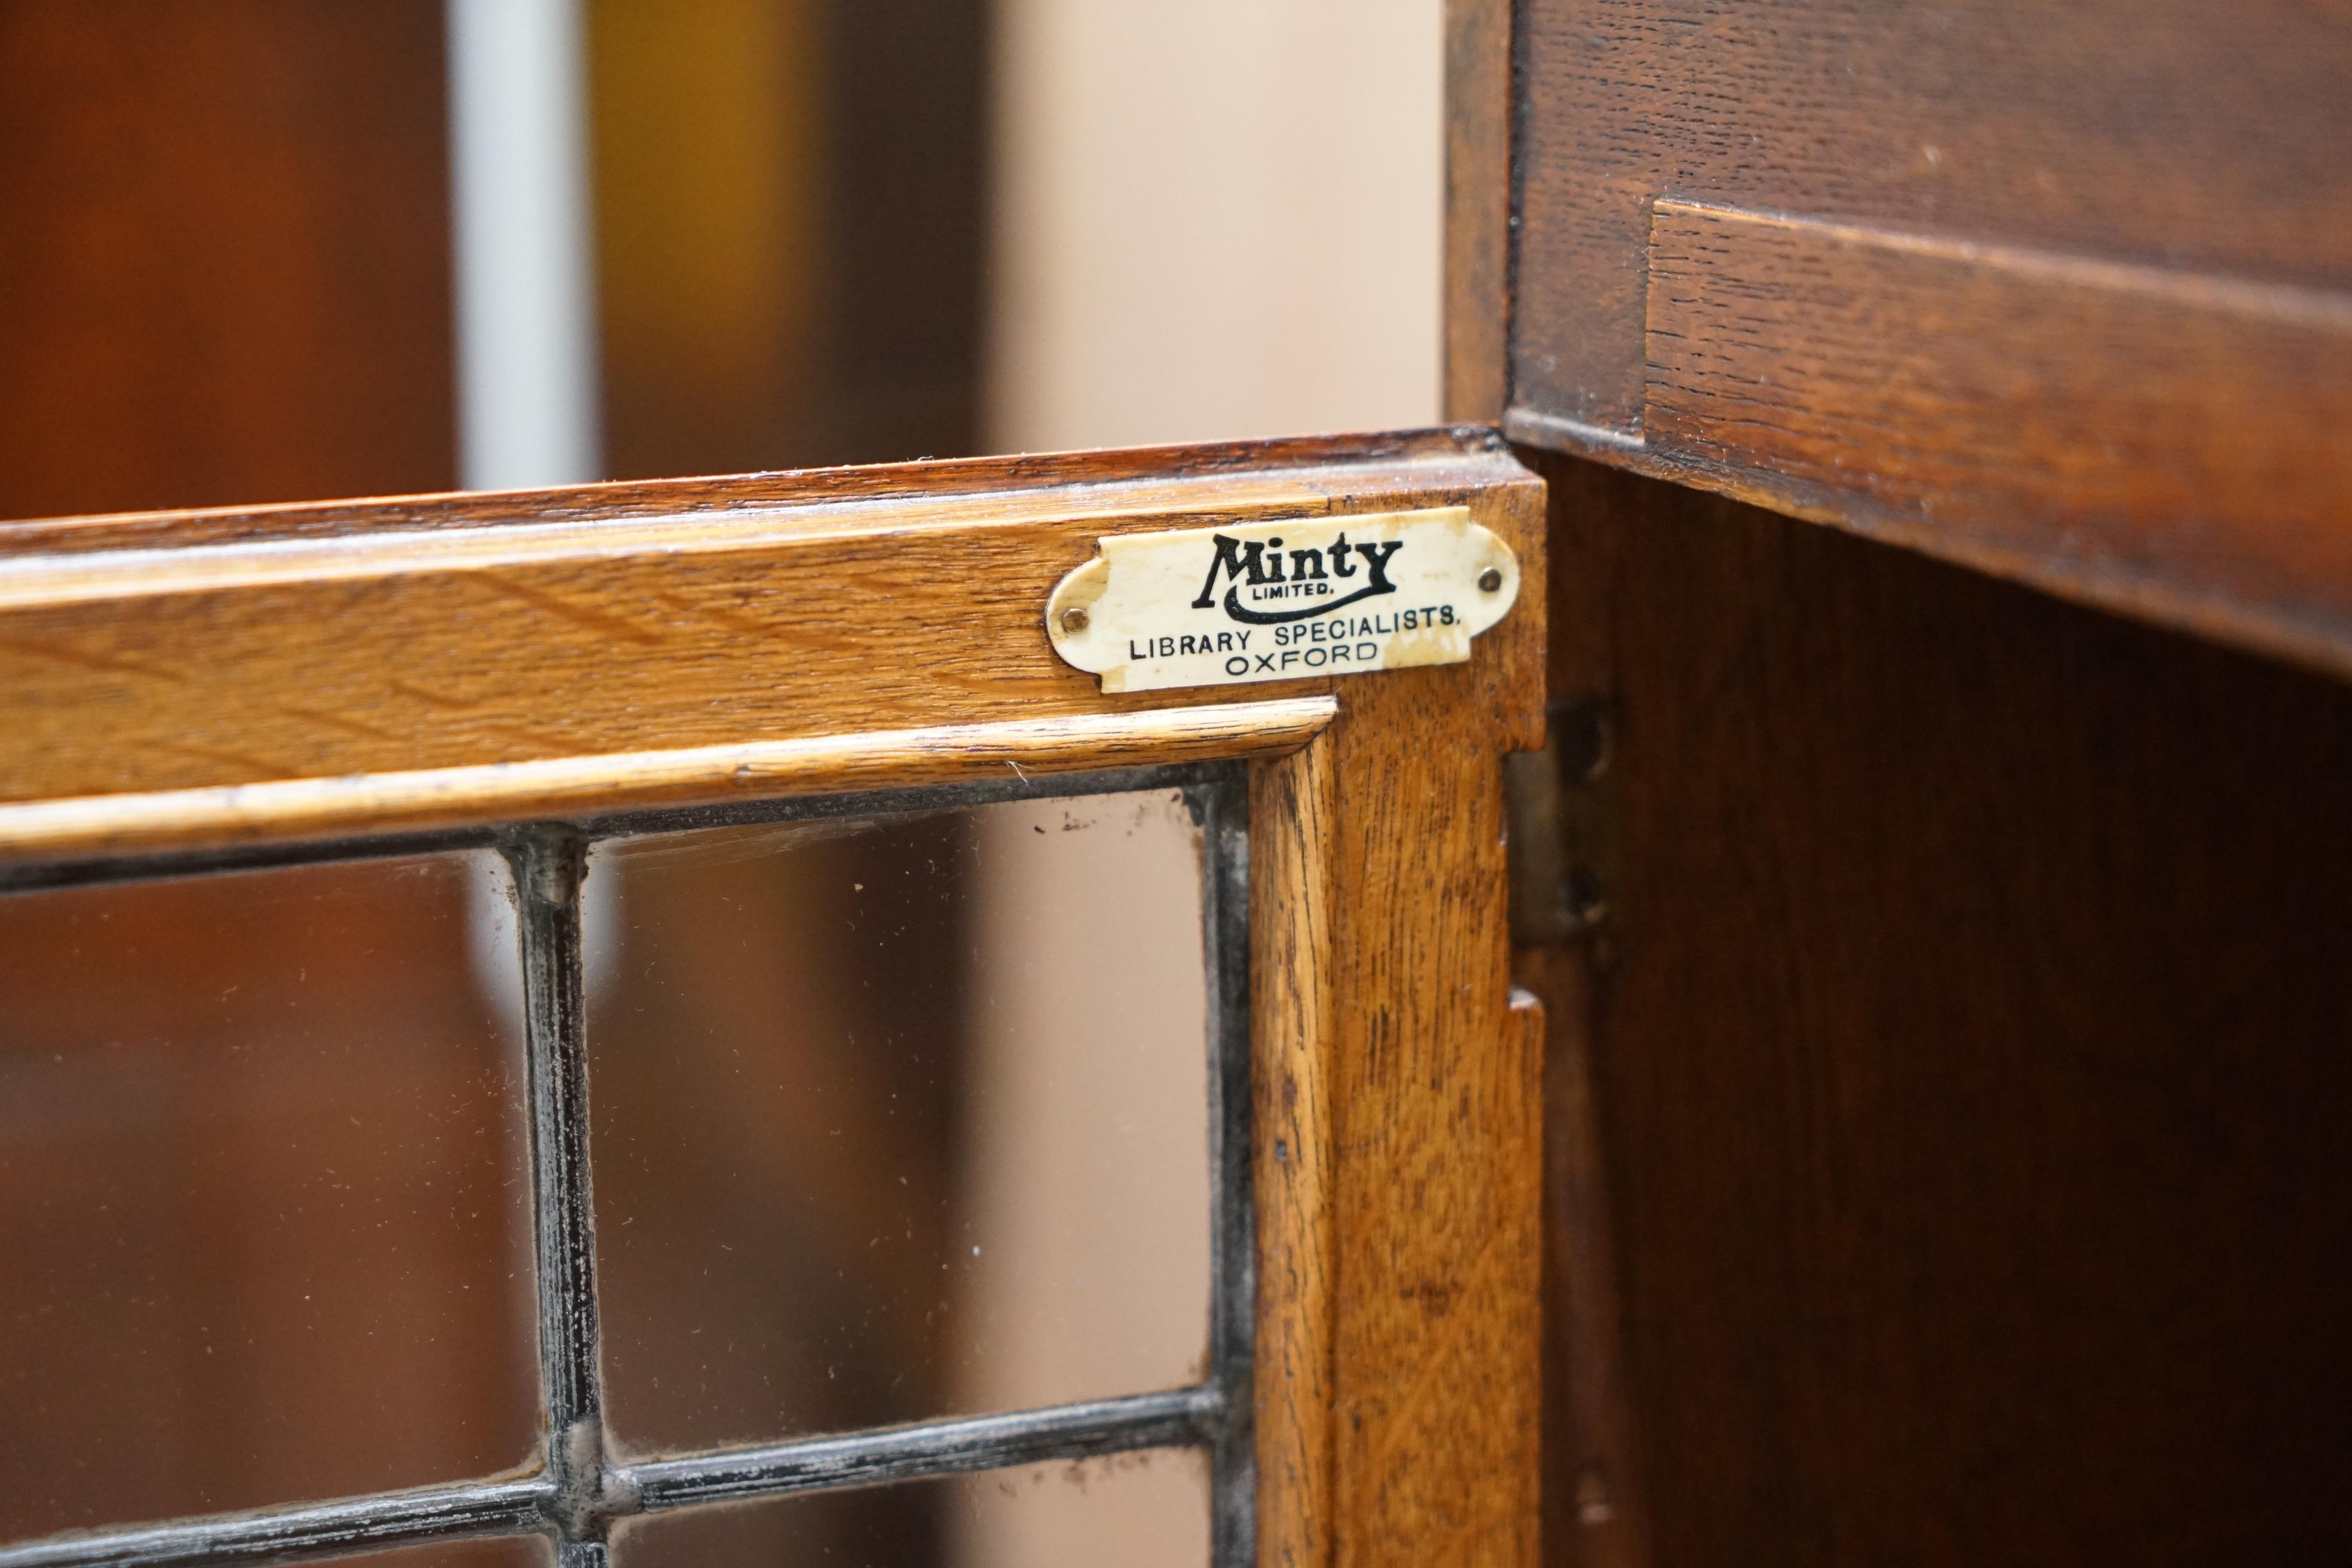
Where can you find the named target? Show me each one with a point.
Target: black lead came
(578, 1491)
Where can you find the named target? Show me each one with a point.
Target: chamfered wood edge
(299, 810)
(1293, 811)
(2174, 601)
(1206, 463)
(373, 651)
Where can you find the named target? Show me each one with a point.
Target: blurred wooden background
(823, 231)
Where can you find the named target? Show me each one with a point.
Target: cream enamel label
(1280, 601)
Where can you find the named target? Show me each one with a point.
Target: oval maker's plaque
(1278, 601)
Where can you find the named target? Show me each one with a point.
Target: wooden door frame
(187, 687)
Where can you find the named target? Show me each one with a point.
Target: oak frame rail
(202, 691)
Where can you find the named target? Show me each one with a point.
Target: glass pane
(266, 1230)
(1137, 1511)
(898, 1119)
(499, 1551)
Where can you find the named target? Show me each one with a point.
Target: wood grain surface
(464, 632)
(2155, 395)
(1399, 1124)
(292, 810)
(2133, 437)
(1436, 1334)
(1435, 1329)
(1478, 208)
(1295, 1007)
(1966, 1057)
(841, 629)
(2171, 134)
(2059, 292)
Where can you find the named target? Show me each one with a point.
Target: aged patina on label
(1279, 601)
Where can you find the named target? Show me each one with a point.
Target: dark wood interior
(1943, 1160)
(225, 270)
(1965, 1054)
(2064, 293)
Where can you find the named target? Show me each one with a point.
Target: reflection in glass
(899, 1118)
(266, 1230)
(1136, 1511)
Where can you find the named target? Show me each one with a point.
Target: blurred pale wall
(1213, 219)
(1217, 219)
(1088, 1152)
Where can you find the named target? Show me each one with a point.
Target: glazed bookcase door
(532, 672)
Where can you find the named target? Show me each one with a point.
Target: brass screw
(1491, 579)
(1074, 619)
